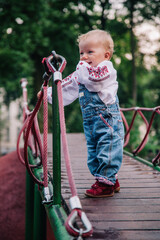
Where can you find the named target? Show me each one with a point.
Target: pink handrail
(148, 124)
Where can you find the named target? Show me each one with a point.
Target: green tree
(31, 30)
(138, 11)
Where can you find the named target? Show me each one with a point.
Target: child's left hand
(38, 94)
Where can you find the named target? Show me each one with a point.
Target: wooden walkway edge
(131, 214)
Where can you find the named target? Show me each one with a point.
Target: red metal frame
(138, 110)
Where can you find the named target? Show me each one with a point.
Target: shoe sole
(100, 196)
(117, 190)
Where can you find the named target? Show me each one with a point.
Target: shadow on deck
(133, 213)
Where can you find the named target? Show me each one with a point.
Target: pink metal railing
(138, 111)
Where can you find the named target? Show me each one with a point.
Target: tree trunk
(133, 77)
(133, 49)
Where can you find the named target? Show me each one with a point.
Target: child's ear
(107, 55)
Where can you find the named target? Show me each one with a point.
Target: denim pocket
(106, 120)
(113, 122)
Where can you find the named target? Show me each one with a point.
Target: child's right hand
(38, 94)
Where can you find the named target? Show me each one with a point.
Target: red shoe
(116, 186)
(100, 190)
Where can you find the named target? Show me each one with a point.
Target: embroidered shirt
(101, 79)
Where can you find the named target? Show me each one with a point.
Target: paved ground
(12, 198)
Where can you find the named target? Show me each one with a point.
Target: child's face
(93, 51)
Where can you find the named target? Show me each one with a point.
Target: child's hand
(38, 94)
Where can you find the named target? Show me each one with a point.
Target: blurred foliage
(30, 30)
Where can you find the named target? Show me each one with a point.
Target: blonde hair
(102, 36)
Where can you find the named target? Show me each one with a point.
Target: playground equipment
(35, 153)
(139, 110)
(43, 191)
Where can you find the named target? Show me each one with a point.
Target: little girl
(95, 83)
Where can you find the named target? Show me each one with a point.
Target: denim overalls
(104, 131)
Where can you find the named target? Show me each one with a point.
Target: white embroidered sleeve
(69, 89)
(97, 78)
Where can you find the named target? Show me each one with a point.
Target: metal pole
(29, 207)
(56, 147)
(39, 223)
(56, 214)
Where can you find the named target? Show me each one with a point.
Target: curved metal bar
(18, 141)
(29, 144)
(27, 137)
(71, 220)
(127, 127)
(143, 143)
(155, 110)
(130, 127)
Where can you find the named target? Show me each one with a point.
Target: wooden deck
(133, 213)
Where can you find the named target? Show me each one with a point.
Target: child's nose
(84, 57)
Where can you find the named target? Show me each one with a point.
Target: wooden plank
(125, 235)
(120, 202)
(137, 195)
(126, 225)
(124, 216)
(123, 209)
(140, 235)
(132, 214)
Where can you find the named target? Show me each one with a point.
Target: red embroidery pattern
(67, 78)
(99, 79)
(99, 72)
(81, 63)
